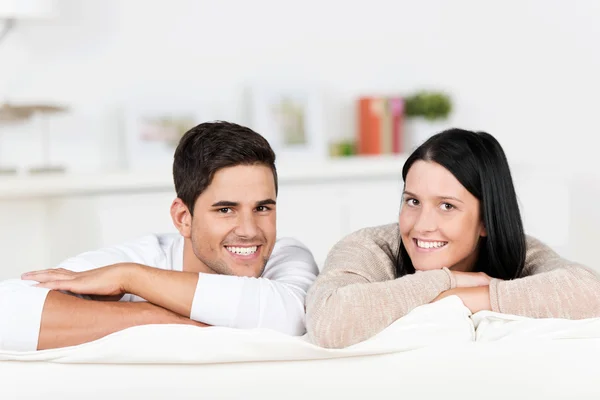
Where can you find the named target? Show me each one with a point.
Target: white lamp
(25, 9)
(11, 12)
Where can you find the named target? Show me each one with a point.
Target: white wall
(317, 210)
(526, 71)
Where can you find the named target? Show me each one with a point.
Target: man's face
(234, 223)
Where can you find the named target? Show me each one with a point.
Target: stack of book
(380, 123)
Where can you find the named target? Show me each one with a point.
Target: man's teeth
(243, 251)
(430, 245)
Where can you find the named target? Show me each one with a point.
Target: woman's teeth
(430, 245)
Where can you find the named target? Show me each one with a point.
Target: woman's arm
(551, 287)
(356, 295)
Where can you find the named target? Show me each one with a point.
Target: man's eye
(262, 208)
(225, 210)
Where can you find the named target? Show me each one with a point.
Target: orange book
(370, 111)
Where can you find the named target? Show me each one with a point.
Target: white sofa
(437, 351)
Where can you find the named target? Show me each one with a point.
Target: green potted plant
(425, 114)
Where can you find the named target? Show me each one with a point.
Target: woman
(459, 233)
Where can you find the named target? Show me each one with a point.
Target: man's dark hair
(210, 146)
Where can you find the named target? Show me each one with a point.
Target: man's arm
(172, 290)
(69, 321)
(274, 301)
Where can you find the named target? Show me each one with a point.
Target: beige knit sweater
(357, 295)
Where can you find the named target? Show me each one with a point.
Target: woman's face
(440, 222)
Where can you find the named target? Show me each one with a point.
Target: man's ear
(182, 218)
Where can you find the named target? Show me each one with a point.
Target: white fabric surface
(491, 326)
(431, 353)
(558, 369)
(441, 324)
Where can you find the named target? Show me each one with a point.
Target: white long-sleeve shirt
(275, 300)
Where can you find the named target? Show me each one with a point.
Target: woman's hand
(474, 298)
(470, 279)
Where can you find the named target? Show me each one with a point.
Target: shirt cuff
(21, 307)
(494, 301)
(451, 277)
(217, 299)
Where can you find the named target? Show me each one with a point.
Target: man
(225, 267)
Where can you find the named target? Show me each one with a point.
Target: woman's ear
(482, 230)
(182, 218)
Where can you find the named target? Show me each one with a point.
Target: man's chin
(249, 271)
(251, 268)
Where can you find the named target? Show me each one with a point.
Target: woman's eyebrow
(437, 197)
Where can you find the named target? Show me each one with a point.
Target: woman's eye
(447, 206)
(412, 202)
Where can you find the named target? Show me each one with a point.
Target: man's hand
(471, 279)
(111, 281)
(474, 298)
(173, 290)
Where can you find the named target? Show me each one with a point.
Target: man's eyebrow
(225, 203)
(266, 202)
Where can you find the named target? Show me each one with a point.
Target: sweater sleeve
(550, 287)
(357, 295)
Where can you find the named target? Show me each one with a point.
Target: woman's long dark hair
(478, 162)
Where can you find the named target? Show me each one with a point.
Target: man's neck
(191, 263)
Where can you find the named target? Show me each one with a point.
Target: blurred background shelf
(66, 185)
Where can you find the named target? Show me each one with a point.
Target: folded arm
(357, 295)
(274, 301)
(551, 287)
(69, 321)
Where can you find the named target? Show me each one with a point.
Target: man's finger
(55, 285)
(47, 277)
(48, 271)
(30, 273)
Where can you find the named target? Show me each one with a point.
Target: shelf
(343, 169)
